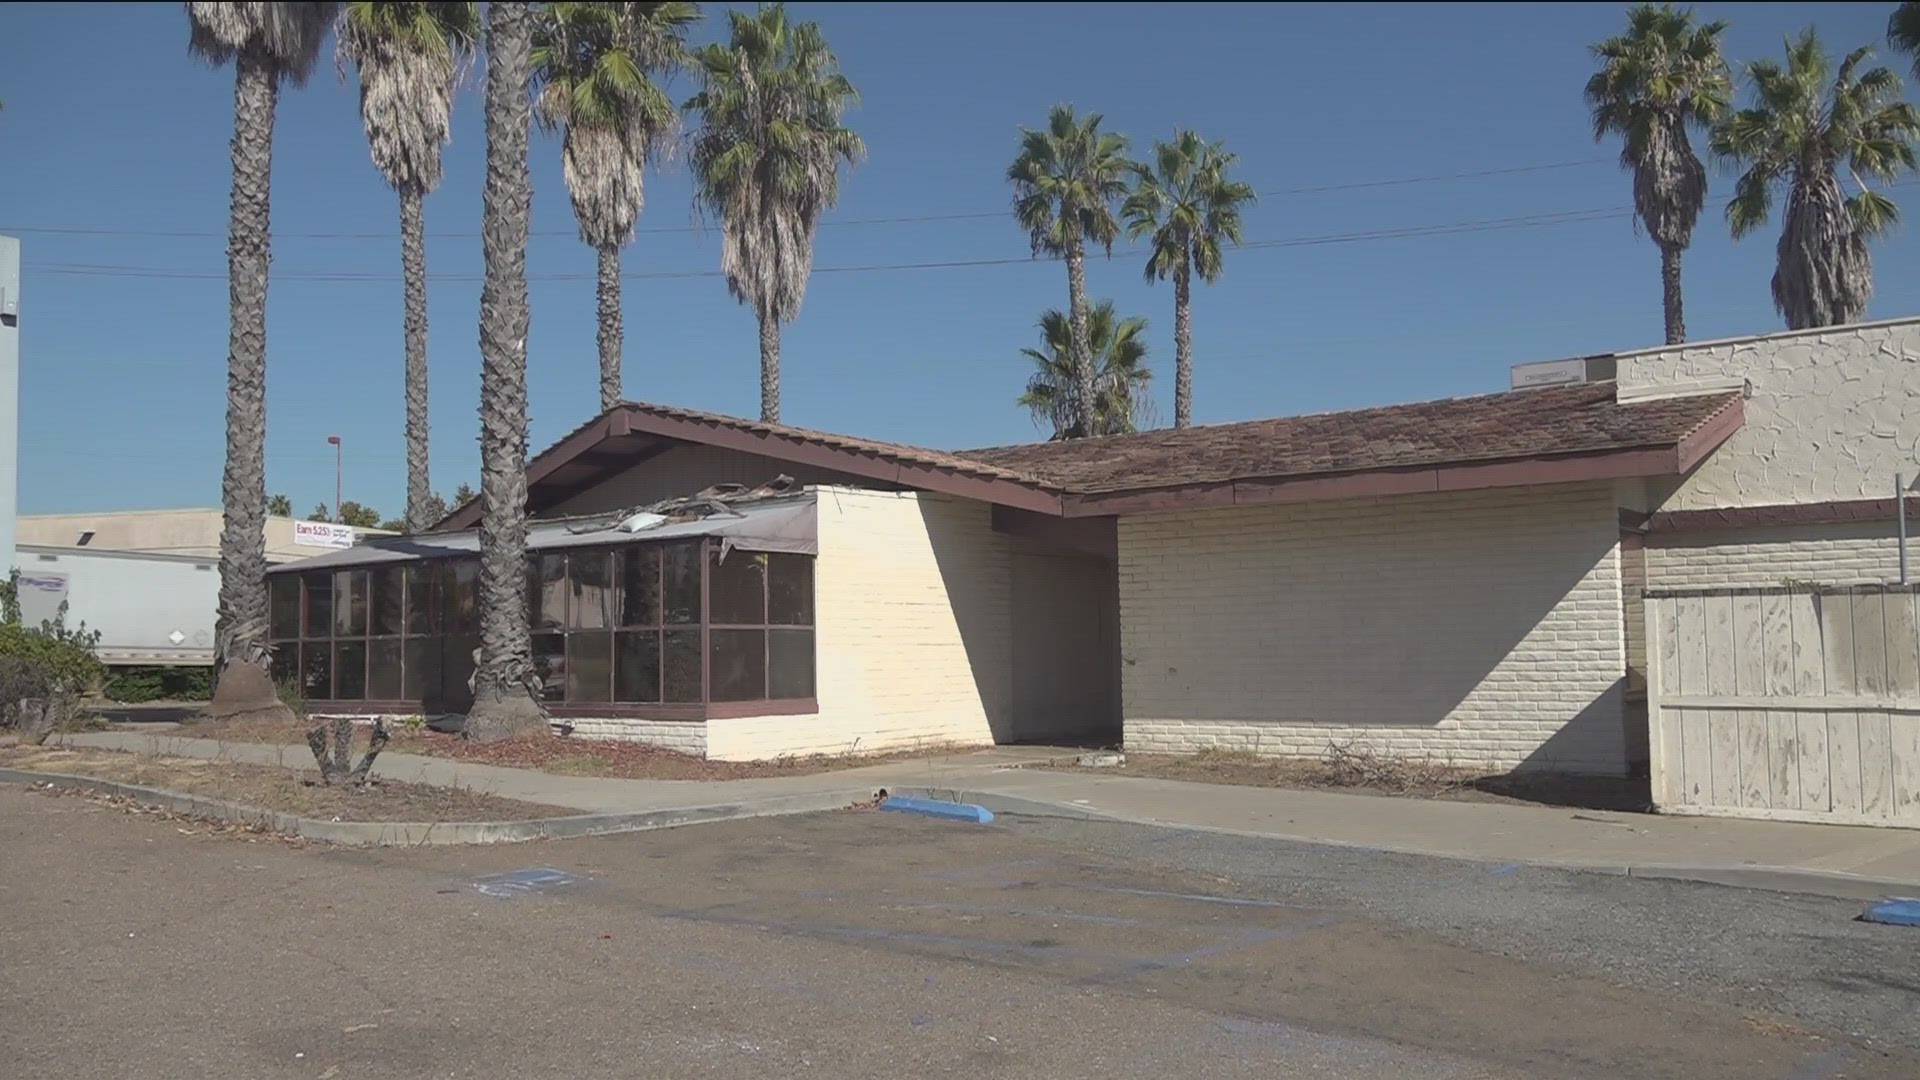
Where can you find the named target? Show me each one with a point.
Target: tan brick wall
(1712, 558)
(1480, 628)
(913, 618)
(683, 471)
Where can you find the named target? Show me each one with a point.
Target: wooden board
(1721, 660)
(1756, 788)
(1783, 761)
(1836, 638)
(1776, 632)
(1696, 759)
(1816, 785)
(1809, 669)
(1723, 733)
(1869, 643)
(1903, 645)
(1666, 635)
(1905, 742)
(1876, 765)
(1843, 760)
(1690, 614)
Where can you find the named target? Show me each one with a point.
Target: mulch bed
(1420, 781)
(270, 787)
(562, 754)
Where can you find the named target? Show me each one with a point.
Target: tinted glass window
(316, 671)
(737, 588)
(550, 664)
(350, 603)
(637, 666)
(349, 670)
(640, 586)
(383, 670)
(284, 590)
(737, 664)
(460, 595)
(790, 589)
(388, 604)
(681, 583)
(590, 581)
(589, 667)
(547, 592)
(422, 612)
(680, 667)
(319, 590)
(789, 664)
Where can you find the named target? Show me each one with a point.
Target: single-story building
(1457, 580)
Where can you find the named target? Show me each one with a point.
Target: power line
(956, 215)
(355, 277)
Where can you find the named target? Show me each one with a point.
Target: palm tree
(1065, 182)
(595, 65)
(1903, 31)
(503, 697)
(1798, 131)
(268, 43)
(767, 162)
(409, 56)
(1185, 202)
(1119, 348)
(1664, 75)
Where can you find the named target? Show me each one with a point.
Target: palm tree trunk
(240, 633)
(413, 269)
(1083, 380)
(769, 368)
(1670, 293)
(1182, 344)
(503, 700)
(612, 333)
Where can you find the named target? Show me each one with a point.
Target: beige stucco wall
(913, 631)
(684, 470)
(1834, 413)
(167, 532)
(1478, 628)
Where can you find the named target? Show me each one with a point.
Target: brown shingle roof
(1581, 418)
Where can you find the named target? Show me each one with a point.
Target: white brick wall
(1712, 558)
(1480, 628)
(913, 624)
(685, 736)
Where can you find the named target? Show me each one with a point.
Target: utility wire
(956, 215)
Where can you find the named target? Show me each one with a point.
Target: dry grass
(1356, 768)
(270, 787)
(568, 755)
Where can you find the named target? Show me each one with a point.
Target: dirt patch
(270, 787)
(564, 754)
(1414, 780)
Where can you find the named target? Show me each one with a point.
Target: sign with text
(322, 534)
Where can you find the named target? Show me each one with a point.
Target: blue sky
(109, 126)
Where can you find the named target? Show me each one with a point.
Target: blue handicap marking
(529, 882)
(1895, 911)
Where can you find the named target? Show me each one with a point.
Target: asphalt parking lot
(855, 944)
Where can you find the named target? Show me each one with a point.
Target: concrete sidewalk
(1835, 860)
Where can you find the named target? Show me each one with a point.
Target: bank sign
(323, 534)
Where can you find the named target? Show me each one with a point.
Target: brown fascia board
(627, 420)
(1377, 483)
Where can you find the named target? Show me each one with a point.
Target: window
(681, 626)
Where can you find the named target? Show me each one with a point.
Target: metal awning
(780, 523)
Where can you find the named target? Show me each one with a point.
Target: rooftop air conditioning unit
(1580, 369)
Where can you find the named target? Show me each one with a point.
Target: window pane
(316, 671)
(640, 586)
(789, 664)
(737, 588)
(590, 579)
(383, 669)
(790, 589)
(637, 666)
(460, 595)
(284, 601)
(422, 680)
(680, 673)
(550, 664)
(590, 666)
(547, 592)
(349, 670)
(456, 672)
(422, 611)
(681, 585)
(350, 603)
(388, 602)
(285, 665)
(737, 664)
(319, 590)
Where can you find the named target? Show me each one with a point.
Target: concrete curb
(434, 833)
(1786, 879)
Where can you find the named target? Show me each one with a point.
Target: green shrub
(48, 663)
(134, 685)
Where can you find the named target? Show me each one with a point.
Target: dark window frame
(439, 571)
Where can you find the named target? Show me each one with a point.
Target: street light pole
(339, 474)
